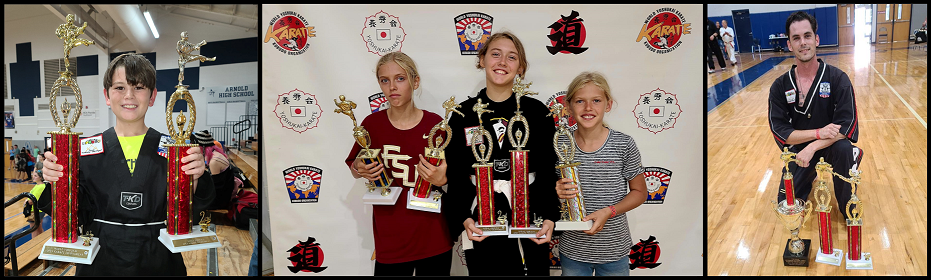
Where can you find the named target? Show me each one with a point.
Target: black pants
(438, 265)
(500, 256)
(714, 49)
(842, 155)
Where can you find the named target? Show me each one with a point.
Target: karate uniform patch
(790, 96)
(92, 145)
(824, 90)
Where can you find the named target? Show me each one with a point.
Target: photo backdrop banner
(651, 56)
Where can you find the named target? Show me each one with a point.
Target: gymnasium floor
(232, 258)
(744, 235)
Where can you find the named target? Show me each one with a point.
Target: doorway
(864, 24)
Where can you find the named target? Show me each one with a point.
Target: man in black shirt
(812, 111)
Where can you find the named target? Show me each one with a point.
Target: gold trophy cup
(793, 215)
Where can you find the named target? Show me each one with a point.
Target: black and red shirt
(830, 99)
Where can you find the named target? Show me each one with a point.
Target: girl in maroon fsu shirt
(405, 240)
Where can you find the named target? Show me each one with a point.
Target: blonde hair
(521, 54)
(402, 60)
(583, 79)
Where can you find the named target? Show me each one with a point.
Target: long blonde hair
(583, 79)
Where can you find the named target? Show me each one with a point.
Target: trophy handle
(808, 207)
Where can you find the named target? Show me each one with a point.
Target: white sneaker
(710, 70)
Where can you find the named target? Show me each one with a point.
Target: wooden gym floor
(744, 235)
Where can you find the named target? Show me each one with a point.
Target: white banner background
(337, 62)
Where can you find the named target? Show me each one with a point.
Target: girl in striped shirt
(611, 178)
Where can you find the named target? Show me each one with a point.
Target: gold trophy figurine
(64, 245)
(573, 208)
(388, 195)
(179, 235)
(793, 216)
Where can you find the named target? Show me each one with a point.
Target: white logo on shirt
(395, 161)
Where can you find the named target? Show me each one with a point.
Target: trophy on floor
(827, 254)
(574, 208)
(856, 259)
(420, 198)
(64, 245)
(793, 213)
(484, 185)
(388, 195)
(179, 236)
(520, 177)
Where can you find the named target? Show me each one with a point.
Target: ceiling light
(148, 19)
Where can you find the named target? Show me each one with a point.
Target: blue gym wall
(764, 24)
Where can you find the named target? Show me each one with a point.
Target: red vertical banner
(485, 194)
(519, 207)
(180, 186)
(65, 191)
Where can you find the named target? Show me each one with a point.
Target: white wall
(717, 10)
(45, 45)
(337, 63)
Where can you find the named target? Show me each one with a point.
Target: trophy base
(865, 262)
(800, 259)
(492, 230)
(573, 225)
(196, 240)
(832, 259)
(423, 204)
(375, 197)
(70, 252)
(527, 232)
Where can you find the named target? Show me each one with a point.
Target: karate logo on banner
(663, 30)
(657, 111)
(290, 32)
(472, 30)
(657, 179)
(383, 33)
(298, 110)
(303, 183)
(378, 102)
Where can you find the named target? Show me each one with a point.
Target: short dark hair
(139, 71)
(800, 16)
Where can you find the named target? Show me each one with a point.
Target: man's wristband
(818, 134)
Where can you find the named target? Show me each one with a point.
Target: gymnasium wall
(319, 52)
(27, 48)
(771, 19)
